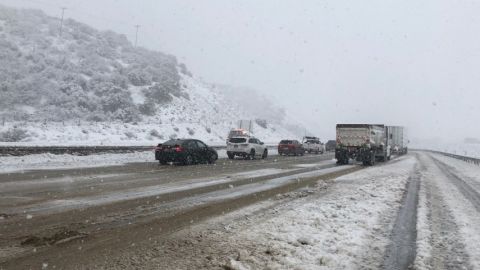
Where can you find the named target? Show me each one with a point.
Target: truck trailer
(397, 140)
(362, 142)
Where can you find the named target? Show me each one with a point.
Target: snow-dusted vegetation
(83, 86)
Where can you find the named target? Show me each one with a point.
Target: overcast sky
(411, 63)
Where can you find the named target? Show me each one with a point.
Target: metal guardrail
(81, 150)
(471, 160)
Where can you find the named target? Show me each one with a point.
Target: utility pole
(61, 20)
(136, 34)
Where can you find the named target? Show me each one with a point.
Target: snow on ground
(424, 234)
(9, 164)
(207, 115)
(156, 190)
(456, 148)
(466, 169)
(332, 230)
(51, 161)
(464, 213)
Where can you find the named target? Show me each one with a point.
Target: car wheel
(188, 160)
(163, 162)
(231, 156)
(252, 154)
(265, 154)
(213, 157)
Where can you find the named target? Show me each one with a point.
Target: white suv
(313, 145)
(247, 147)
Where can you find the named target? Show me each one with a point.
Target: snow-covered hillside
(87, 87)
(207, 115)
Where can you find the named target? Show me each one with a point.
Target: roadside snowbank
(50, 161)
(462, 149)
(47, 161)
(342, 229)
(466, 169)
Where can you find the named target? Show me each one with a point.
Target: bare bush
(14, 135)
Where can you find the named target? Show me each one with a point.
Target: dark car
(330, 145)
(185, 151)
(290, 147)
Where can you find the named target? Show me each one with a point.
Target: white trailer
(397, 139)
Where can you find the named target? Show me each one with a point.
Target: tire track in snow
(465, 188)
(400, 253)
(448, 251)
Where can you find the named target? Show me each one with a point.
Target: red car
(290, 147)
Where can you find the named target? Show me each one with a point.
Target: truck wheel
(230, 156)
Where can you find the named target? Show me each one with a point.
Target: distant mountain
(84, 86)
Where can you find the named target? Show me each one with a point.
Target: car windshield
(238, 140)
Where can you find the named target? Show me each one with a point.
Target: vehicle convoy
(313, 145)
(185, 151)
(290, 147)
(362, 142)
(246, 147)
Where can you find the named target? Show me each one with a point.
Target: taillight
(178, 149)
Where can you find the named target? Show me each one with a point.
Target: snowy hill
(87, 87)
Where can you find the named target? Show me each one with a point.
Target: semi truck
(362, 142)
